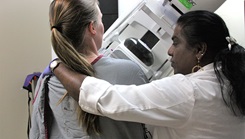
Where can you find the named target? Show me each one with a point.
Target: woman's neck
(91, 57)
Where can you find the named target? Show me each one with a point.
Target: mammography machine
(144, 35)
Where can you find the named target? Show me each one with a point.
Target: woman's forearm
(71, 80)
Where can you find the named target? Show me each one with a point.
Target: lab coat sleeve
(166, 102)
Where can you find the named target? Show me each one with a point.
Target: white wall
(232, 11)
(25, 48)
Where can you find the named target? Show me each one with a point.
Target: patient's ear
(92, 27)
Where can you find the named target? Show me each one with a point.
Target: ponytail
(232, 64)
(69, 19)
(67, 54)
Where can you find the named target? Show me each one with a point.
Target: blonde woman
(77, 32)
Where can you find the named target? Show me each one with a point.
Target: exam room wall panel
(109, 9)
(25, 48)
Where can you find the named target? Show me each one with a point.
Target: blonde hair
(68, 21)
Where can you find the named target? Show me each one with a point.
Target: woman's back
(210, 118)
(66, 124)
(120, 71)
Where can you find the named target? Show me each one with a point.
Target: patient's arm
(71, 80)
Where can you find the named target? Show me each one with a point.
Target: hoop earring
(197, 67)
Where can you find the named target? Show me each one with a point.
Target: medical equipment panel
(144, 35)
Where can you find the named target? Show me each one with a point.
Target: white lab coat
(179, 107)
